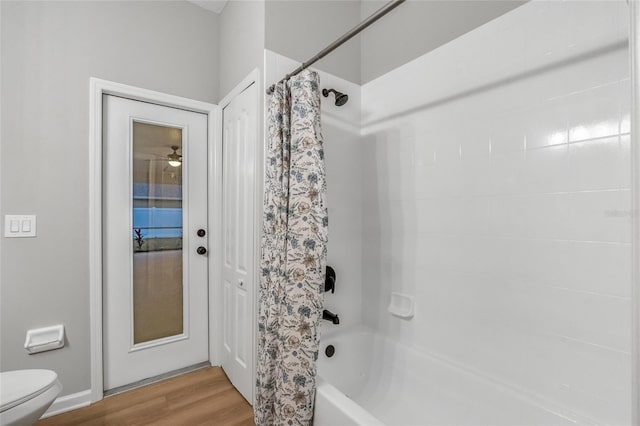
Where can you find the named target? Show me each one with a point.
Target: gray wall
(300, 29)
(417, 27)
(49, 51)
(241, 42)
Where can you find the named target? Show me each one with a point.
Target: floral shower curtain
(294, 250)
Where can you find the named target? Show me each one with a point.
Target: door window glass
(157, 232)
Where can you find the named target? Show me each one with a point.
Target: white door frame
(216, 200)
(634, 60)
(98, 88)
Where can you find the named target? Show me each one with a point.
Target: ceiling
(212, 5)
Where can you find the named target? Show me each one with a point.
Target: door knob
(201, 232)
(201, 250)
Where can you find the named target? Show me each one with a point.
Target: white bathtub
(372, 380)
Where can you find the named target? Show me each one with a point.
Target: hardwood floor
(203, 397)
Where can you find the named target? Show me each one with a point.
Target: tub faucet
(330, 316)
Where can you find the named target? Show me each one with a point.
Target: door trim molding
(97, 88)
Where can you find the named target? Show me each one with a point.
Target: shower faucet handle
(330, 280)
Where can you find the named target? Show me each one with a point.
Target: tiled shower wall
(496, 191)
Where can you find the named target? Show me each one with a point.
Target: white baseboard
(69, 402)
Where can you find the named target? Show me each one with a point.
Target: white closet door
(238, 263)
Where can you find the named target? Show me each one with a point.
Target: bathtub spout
(330, 316)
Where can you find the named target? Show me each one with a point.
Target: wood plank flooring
(203, 397)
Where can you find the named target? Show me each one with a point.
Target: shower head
(341, 98)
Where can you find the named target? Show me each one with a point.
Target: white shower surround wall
(490, 179)
(497, 190)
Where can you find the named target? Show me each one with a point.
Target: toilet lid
(19, 386)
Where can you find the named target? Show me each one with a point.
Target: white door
(239, 135)
(155, 317)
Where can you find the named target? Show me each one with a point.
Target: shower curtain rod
(339, 42)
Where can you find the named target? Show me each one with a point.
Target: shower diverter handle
(330, 280)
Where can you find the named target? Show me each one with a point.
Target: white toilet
(26, 394)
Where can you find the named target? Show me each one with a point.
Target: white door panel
(239, 119)
(155, 285)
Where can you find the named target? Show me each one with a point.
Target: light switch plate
(19, 226)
